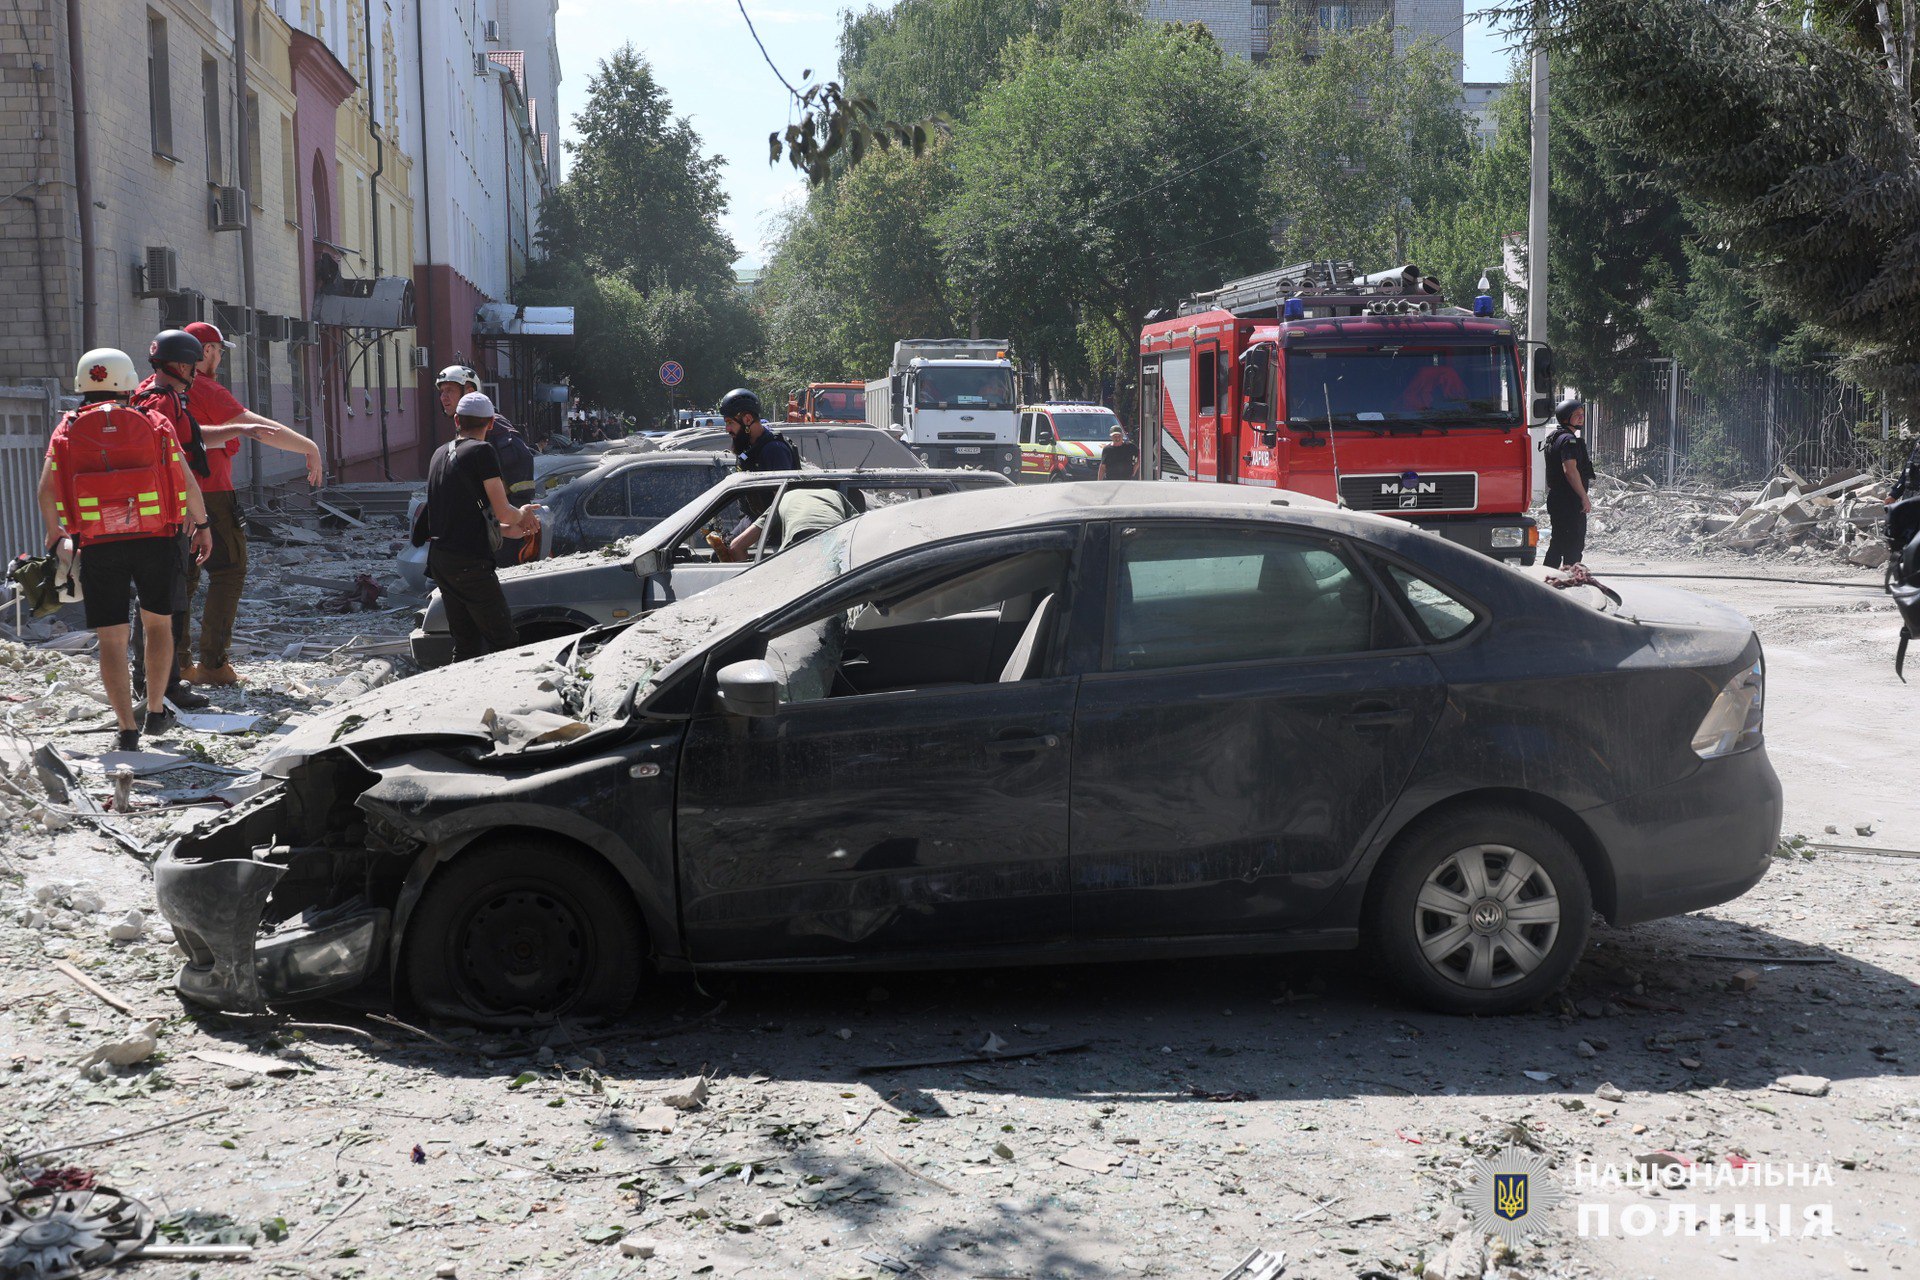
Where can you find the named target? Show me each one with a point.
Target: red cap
(208, 333)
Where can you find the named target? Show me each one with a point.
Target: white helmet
(461, 374)
(104, 369)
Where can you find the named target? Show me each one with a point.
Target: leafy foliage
(1795, 140)
(640, 198)
(633, 242)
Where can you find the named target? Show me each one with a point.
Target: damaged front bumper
(264, 920)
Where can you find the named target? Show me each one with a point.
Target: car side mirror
(1543, 369)
(1270, 437)
(749, 688)
(1542, 406)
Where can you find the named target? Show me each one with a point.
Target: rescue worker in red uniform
(215, 409)
(174, 354)
(116, 485)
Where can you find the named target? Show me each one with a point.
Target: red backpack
(114, 469)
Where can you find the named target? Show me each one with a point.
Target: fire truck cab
(1365, 390)
(828, 402)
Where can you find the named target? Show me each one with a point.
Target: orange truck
(828, 402)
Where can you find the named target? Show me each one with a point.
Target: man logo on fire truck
(1366, 390)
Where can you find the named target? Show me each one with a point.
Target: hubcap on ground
(1486, 916)
(524, 949)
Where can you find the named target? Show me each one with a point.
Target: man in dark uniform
(510, 448)
(1119, 460)
(1569, 472)
(757, 448)
(466, 493)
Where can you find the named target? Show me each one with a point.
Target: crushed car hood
(509, 700)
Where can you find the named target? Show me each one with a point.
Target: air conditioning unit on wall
(490, 31)
(272, 328)
(229, 209)
(178, 310)
(159, 275)
(482, 65)
(422, 359)
(232, 319)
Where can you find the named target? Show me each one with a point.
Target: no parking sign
(671, 373)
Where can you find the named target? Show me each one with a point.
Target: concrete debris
(1839, 518)
(129, 928)
(688, 1095)
(1804, 1086)
(1258, 1265)
(126, 1051)
(1610, 1093)
(638, 1248)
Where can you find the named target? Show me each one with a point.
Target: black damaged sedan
(1095, 721)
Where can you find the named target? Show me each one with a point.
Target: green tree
(921, 58)
(856, 268)
(632, 241)
(641, 198)
(1096, 186)
(1798, 141)
(1361, 145)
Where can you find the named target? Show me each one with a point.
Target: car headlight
(1732, 723)
(1510, 536)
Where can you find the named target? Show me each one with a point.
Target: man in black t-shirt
(1120, 460)
(1569, 472)
(466, 515)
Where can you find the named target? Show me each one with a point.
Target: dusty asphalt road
(1356, 1116)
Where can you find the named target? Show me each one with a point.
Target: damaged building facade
(338, 185)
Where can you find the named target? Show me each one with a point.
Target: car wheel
(525, 931)
(1481, 911)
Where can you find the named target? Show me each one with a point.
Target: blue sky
(702, 54)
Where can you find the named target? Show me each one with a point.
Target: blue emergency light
(1293, 309)
(1483, 305)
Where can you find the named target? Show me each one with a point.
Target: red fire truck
(828, 402)
(1367, 390)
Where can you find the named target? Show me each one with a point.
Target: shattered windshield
(644, 652)
(1445, 384)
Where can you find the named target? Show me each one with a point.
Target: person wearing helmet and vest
(116, 485)
(215, 409)
(1569, 472)
(509, 446)
(174, 355)
(755, 447)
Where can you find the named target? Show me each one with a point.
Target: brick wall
(39, 244)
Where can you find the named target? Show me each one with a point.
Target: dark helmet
(174, 346)
(740, 400)
(1563, 412)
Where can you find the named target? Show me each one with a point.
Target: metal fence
(26, 422)
(1668, 429)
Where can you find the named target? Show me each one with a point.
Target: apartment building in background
(1250, 28)
(299, 138)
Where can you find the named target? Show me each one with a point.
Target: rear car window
(1442, 616)
(1197, 596)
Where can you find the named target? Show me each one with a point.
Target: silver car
(676, 558)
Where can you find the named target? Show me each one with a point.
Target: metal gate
(26, 423)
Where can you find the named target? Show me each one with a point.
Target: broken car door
(1259, 705)
(909, 792)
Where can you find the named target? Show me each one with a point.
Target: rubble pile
(1838, 518)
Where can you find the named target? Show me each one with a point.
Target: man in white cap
(466, 516)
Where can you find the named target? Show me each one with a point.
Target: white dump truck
(953, 401)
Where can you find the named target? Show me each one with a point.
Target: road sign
(671, 373)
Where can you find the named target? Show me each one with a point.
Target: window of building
(159, 87)
(210, 117)
(255, 184)
(1336, 17)
(289, 173)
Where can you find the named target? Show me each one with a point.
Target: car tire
(1443, 923)
(524, 930)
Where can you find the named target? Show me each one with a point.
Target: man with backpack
(464, 521)
(510, 448)
(116, 484)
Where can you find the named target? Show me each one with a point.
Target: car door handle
(1013, 746)
(1376, 715)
